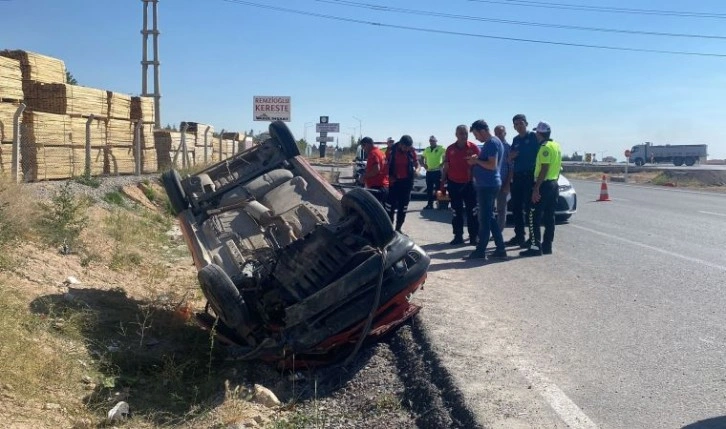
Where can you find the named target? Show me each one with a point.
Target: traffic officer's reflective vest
(549, 153)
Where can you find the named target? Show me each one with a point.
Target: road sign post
(627, 161)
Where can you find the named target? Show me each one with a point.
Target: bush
(63, 219)
(115, 198)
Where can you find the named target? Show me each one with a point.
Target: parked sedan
(566, 203)
(289, 266)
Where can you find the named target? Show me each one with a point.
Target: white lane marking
(656, 249)
(568, 411)
(712, 213)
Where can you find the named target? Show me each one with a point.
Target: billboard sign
(327, 128)
(271, 108)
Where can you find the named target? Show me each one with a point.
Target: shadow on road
(714, 423)
(436, 215)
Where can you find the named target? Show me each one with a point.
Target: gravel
(45, 191)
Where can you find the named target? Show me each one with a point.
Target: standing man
(402, 166)
(523, 154)
(433, 158)
(545, 193)
(376, 175)
(457, 176)
(504, 169)
(487, 183)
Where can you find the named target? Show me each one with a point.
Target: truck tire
(360, 202)
(678, 161)
(223, 296)
(173, 187)
(690, 161)
(639, 162)
(280, 132)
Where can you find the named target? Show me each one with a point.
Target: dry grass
(69, 353)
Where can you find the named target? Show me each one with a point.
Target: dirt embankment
(107, 319)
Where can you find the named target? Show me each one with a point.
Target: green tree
(70, 79)
(302, 144)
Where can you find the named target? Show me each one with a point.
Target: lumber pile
(38, 68)
(149, 160)
(11, 80)
(6, 157)
(119, 105)
(119, 133)
(228, 148)
(142, 109)
(64, 99)
(98, 131)
(40, 129)
(53, 146)
(167, 144)
(53, 162)
(7, 111)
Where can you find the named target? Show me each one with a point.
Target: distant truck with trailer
(677, 154)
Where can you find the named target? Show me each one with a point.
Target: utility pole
(155, 62)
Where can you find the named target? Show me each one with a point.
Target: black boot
(458, 239)
(547, 248)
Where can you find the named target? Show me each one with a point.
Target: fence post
(182, 146)
(206, 132)
(220, 144)
(15, 171)
(137, 148)
(87, 165)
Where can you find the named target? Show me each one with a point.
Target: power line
(381, 8)
(608, 9)
(481, 36)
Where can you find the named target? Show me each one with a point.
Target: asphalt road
(624, 326)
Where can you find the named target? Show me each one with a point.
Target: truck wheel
(172, 185)
(678, 161)
(361, 203)
(690, 161)
(639, 162)
(280, 132)
(223, 296)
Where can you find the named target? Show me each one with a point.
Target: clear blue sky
(216, 55)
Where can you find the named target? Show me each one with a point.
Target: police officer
(433, 158)
(544, 193)
(523, 154)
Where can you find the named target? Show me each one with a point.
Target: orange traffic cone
(604, 190)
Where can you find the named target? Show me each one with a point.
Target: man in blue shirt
(501, 132)
(523, 154)
(487, 183)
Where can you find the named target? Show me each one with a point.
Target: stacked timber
(168, 147)
(142, 109)
(149, 157)
(119, 105)
(120, 141)
(66, 99)
(97, 129)
(11, 80)
(53, 146)
(7, 112)
(38, 68)
(228, 148)
(6, 157)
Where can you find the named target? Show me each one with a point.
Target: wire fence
(45, 146)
